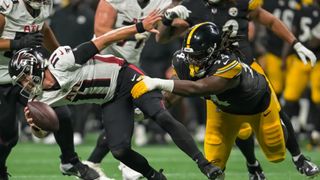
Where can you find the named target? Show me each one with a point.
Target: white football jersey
(130, 12)
(92, 82)
(18, 20)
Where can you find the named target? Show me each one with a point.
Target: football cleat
(158, 176)
(128, 173)
(98, 169)
(306, 167)
(79, 170)
(256, 172)
(211, 171)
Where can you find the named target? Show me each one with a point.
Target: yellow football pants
(299, 77)
(274, 72)
(222, 130)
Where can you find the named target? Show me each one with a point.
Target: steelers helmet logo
(233, 11)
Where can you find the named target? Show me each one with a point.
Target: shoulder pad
(62, 58)
(254, 4)
(181, 67)
(178, 56)
(5, 6)
(227, 66)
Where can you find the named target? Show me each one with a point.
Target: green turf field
(30, 161)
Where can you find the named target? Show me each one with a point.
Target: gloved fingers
(303, 58)
(313, 59)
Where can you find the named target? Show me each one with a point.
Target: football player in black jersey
(305, 20)
(70, 73)
(210, 66)
(272, 59)
(231, 14)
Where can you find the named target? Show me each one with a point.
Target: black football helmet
(30, 63)
(201, 44)
(36, 4)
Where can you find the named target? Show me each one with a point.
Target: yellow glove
(147, 84)
(139, 88)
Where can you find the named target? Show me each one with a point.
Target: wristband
(14, 45)
(140, 28)
(294, 42)
(165, 84)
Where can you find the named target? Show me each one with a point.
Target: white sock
(255, 164)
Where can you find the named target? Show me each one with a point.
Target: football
(43, 116)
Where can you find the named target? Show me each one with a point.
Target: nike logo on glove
(134, 77)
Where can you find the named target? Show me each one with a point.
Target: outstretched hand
(151, 20)
(144, 85)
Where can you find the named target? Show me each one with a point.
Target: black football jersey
(284, 10)
(231, 14)
(305, 20)
(250, 96)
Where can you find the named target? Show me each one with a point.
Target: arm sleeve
(84, 52)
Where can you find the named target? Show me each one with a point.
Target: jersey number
(305, 28)
(286, 16)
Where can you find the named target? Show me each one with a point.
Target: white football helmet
(36, 4)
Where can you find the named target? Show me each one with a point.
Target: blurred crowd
(294, 84)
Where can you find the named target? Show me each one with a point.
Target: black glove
(28, 40)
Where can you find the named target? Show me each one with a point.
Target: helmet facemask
(200, 60)
(28, 73)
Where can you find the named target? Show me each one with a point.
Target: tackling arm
(202, 87)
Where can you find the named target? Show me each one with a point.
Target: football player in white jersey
(22, 24)
(111, 14)
(77, 76)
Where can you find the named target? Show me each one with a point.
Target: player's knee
(164, 119)
(245, 131)
(9, 141)
(120, 153)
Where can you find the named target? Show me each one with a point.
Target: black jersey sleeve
(226, 66)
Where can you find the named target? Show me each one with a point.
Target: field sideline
(30, 161)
